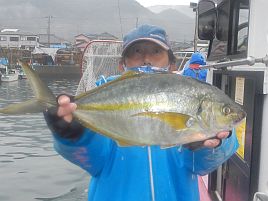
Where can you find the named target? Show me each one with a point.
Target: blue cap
(197, 58)
(146, 33)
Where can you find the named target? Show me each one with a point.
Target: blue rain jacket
(141, 173)
(200, 74)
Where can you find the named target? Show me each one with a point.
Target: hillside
(70, 18)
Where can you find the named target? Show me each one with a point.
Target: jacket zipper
(151, 173)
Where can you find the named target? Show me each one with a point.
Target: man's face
(146, 53)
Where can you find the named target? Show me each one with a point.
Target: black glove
(58, 125)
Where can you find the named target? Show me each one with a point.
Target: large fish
(145, 109)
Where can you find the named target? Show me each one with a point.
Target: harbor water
(30, 169)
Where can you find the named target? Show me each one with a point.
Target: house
(82, 40)
(53, 41)
(15, 38)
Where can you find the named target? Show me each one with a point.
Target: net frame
(100, 59)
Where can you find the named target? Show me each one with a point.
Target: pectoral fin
(175, 120)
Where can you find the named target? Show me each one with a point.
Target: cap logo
(157, 36)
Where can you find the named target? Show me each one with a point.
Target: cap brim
(158, 42)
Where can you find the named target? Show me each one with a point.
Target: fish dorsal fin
(177, 121)
(130, 74)
(126, 75)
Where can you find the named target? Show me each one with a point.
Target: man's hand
(60, 119)
(66, 108)
(212, 143)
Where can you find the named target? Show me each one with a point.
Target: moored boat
(10, 75)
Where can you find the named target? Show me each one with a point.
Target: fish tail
(44, 98)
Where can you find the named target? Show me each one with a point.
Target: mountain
(186, 10)
(68, 18)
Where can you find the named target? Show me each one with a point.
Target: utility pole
(48, 30)
(137, 22)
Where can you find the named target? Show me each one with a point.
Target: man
(194, 70)
(137, 173)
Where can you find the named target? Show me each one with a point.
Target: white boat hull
(9, 77)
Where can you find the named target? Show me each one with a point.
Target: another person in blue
(137, 173)
(194, 70)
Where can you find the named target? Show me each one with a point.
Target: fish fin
(40, 89)
(129, 74)
(121, 143)
(167, 146)
(44, 98)
(177, 121)
(31, 106)
(124, 76)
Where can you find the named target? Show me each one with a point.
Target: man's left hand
(212, 143)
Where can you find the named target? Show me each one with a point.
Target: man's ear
(121, 65)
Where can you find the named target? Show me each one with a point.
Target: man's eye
(157, 51)
(137, 51)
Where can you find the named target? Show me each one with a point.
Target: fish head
(220, 115)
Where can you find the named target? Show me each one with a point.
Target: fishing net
(100, 58)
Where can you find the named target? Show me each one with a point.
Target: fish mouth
(240, 116)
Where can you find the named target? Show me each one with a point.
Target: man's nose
(147, 60)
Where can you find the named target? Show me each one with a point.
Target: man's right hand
(60, 119)
(66, 108)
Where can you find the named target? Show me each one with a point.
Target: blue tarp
(4, 61)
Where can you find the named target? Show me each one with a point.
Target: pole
(195, 32)
(248, 61)
(194, 7)
(48, 30)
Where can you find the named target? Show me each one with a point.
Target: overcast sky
(147, 3)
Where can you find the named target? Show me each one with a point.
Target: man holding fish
(126, 173)
(134, 135)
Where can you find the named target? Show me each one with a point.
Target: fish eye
(226, 110)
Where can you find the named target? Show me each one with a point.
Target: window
(3, 38)
(242, 30)
(223, 21)
(31, 38)
(231, 39)
(13, 38)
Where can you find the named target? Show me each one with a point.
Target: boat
(22, 75)
(10, 75)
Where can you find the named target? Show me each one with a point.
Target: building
(53, 41)
(15, 38)
(82, 40)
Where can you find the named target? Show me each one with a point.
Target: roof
(104, 35)
(43, 38)
(16, 32)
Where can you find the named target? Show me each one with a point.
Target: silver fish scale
(171, 90)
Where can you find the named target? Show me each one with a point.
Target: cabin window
(222, 29)
(231, 37)
(242, 30)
